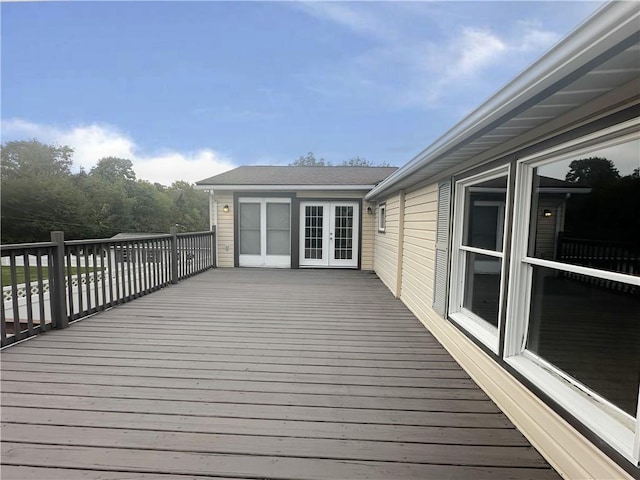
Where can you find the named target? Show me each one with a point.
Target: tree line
(40, 193)
(310, 160)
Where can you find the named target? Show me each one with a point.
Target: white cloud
(476, 50)
(95, 141)
(534, 38)
(351, 16)
(408, 66)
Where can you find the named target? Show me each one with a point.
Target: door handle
(330, 235)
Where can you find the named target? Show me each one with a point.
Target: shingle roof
(272, 175)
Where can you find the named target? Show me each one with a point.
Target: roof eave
(274, 188)
(610, 25)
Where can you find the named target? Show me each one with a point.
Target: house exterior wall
(368, 228)
(224, 229)
(567, 450)
(225, 223)
(419, 245)
(385, 260)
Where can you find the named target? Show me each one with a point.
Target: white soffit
(600, 56)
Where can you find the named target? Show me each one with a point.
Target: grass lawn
(33, 273)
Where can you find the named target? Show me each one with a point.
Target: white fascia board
(275, 188)
(613, 23)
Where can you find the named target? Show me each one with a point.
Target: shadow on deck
(253, 374)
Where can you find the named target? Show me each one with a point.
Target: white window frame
(476, 326)
(613, 425)
(382, 217)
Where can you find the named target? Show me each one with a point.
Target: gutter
(612, 24)
(272, 188)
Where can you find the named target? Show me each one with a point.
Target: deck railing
(615, 257)
(46, 285)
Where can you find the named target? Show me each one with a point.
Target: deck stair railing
(49, 284)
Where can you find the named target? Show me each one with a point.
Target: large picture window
(573, 323)
(477, 280)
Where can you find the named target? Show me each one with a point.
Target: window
(573, 323)
(477, 260)
(249, 228)
(382, 217)
(572, 316)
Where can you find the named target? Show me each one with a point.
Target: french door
(329, 234)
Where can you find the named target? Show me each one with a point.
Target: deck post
(214, 261)
(174, 254)
(57, 288)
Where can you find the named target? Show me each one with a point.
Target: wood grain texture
(253, 374)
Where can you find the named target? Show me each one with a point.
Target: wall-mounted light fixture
(547, 213)
(225, 209)
(369, 211)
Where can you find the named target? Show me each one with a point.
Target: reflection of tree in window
(611, 211)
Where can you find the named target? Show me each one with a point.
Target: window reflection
(484, 223)
(590, 331)
(586, 210)
(482, 286)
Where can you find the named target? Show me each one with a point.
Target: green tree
(191, 206)
(591, 171)
(362, 162)
(151, 209)
(109, 206)
(114, 169)
(310, 160)
(31, 158)
(38, 193)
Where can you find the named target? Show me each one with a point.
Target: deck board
(253, 374)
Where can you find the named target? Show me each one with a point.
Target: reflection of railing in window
(603, 255)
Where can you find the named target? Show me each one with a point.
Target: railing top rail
(190, 234)
(26, 246)
(101, 241)
(604, 243)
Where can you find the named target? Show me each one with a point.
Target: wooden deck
(253, 374)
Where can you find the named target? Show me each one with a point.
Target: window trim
(606, 420)
(382, 218)
(472, 323)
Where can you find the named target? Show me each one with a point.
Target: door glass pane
(249, 228)
(343, 234)
(484, 214)
(313, 218)
(590, 329)
(482, 286)
(586, 210)
(278, 229)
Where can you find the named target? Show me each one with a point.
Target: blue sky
(189, 89)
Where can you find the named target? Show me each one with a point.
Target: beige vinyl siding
(419, 244)
(369, 228)
(225, 229)
(548, 227)
(565, 448)
(385, 261)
